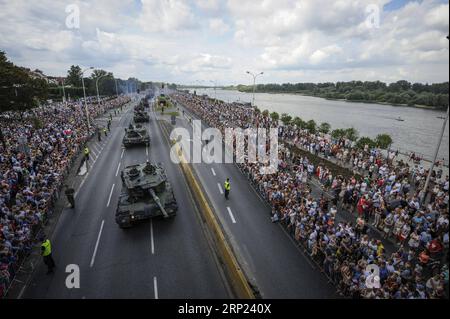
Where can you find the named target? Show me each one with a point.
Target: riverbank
(426, 107)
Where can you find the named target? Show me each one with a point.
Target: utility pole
(85, 100)
(254, 84)
(436, 152)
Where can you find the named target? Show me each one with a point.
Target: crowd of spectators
(380, 194)
(37, 148)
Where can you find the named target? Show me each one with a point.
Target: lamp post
(436, 151)
(215, 92)
(96, 85)
(254, 84)
(85, 101)
(117, 92)
(64, 93)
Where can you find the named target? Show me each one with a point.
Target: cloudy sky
(185, 41)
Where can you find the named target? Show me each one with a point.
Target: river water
(419, 132)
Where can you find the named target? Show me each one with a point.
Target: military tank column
(136, 135)
(146, 193)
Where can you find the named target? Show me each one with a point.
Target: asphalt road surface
(155, 259)
(270, 257)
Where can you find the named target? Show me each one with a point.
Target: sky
(206, 41)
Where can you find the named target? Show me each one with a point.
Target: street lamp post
(215, 92)
(64, 93)
(254, 84)
(85, 100)
(436, 152)
(117, 92)
(96, 85)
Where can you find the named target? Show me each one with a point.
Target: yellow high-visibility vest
(47, 248)
(227, 186)
(86, 151)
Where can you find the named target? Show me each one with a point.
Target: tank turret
(146, 193)
(136, 135)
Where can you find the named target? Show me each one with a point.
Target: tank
(146, 193)
(140, 116)
(136, 135)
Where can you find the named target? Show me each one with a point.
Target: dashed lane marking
(96, 244)
(231, 215)
(110, 194)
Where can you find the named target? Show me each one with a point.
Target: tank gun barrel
(158, 202)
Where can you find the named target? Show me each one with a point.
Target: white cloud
(182, 40)
(166, 16)
(217, 25)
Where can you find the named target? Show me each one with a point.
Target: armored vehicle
(146, 193)
(140, 116)
(136, 135)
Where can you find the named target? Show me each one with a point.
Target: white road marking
(97, 147)
(220, 188)
(231, 215)
(155, 287)
(117, 171)
(152, 241)
(96, 244)
(93, 152)
(213, 171)
(146, 150)
(121, 155)
(110, 194)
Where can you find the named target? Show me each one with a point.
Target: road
(270, 257)
(155, 259)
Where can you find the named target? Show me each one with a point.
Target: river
(418, 132)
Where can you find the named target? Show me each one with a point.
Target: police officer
(105, 131)
(109, 125)
(227, 187)
(46, 251)
(70, 194)
(86, 153)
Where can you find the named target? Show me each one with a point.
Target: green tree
(324, 127)
(363, 141)
(383, 141)
(311, 126)
(19, 91)
(265, 113)
(286, 119)
(298, 122)
(274, 116)
(352, 134)
(338, 133)
(74, 76)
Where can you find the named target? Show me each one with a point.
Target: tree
(265, 113)
(311, 126)
(298, 122)
(74, 76)
(97, 73)
(19, 91)
(274, 116)
(338, 133)
(352, 134)
(286, 119)
(383, 141)
(324, 127)
(363, 141)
